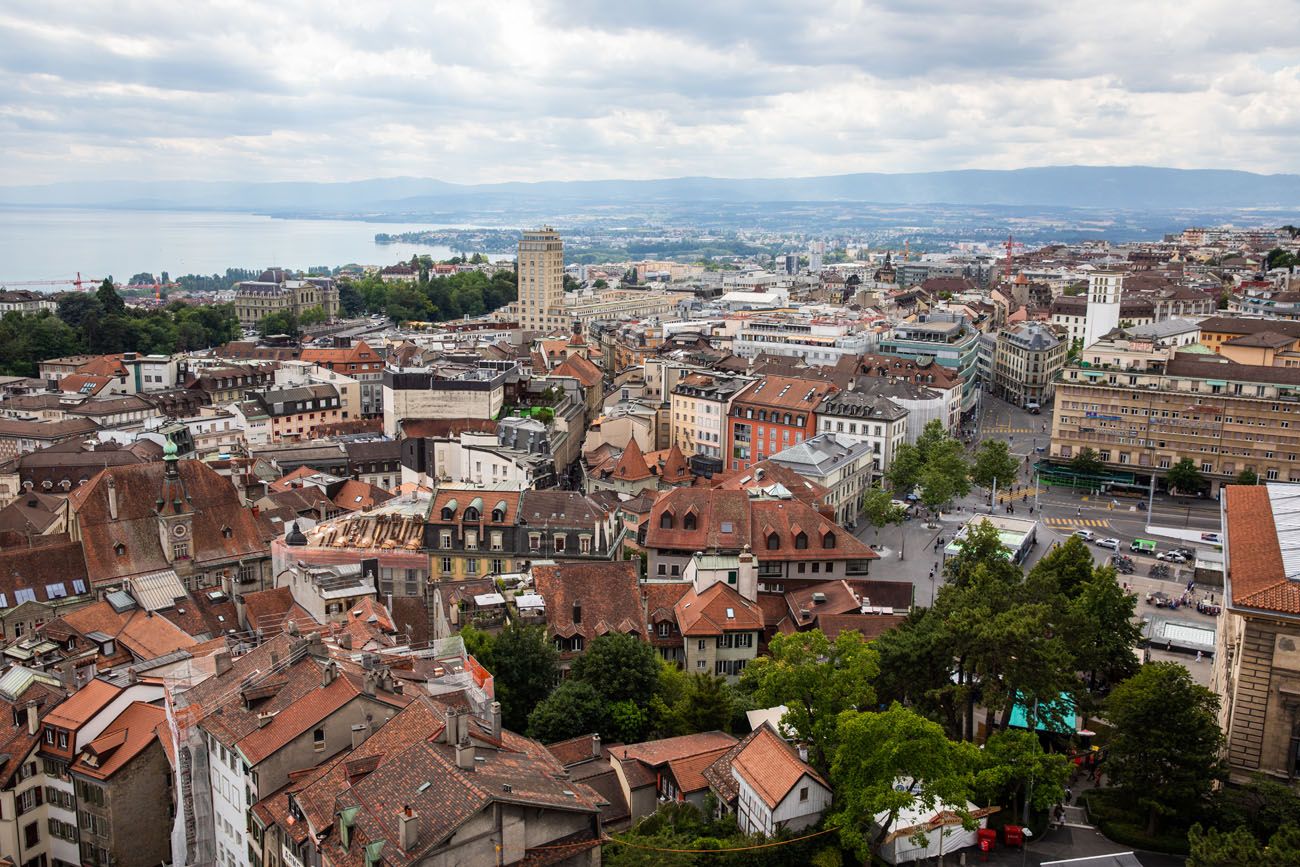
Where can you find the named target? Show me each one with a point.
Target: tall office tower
(1102, 317)
(541, 280)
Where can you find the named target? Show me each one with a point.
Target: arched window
(828, 541)
(498, 515)
(762, 415)
(773, 541)
(471, 514)
(689, 522)
(801, 540)
(666, 521)
(447, 514)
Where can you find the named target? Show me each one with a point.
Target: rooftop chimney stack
(465, 755)
(410, 828)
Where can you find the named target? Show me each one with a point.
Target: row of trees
(100, 322)
(436, 299)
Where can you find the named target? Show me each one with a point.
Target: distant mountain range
(1138, 188)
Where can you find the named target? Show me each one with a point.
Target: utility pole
(993, 498)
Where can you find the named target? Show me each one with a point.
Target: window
(700, 644)
(471, 566)
(444, 540)
(803, 793)
(801, 540)
(32, 835)
(318, 740)
(828, 541)
(773, 541)
(584, 544)
(471, 539)
(689, 521)
(180, 550)
(496, 541)
(666, 521)
(534, 541)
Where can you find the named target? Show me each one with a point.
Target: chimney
(410, 828)
(112, 499)
(33, 719)
(222, 660)
(360, 732)
(328, 673)
(595, 746)
(465, 755)
(496, 718)
(344, 641)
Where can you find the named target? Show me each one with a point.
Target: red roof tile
(771, 766)
(1256, 573)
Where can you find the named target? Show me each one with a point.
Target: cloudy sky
(489, 91)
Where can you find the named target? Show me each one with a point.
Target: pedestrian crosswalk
(1007, 430)
(1075, 523)
(1017, 496)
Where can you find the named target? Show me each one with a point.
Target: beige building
(541, 282)
(1257, 654)
(276, 292)
(1026, 362)
(699, 406)
(588, 306)
(1142, 409)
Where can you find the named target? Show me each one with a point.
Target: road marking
(1020, 495)
(1075, 523)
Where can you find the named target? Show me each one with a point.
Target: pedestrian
(1078, 513)
(1069, 795)
(1198, 656)
(1060, 814)
(1191, 583)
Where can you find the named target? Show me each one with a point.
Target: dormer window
(773, 541)
(447, 514)
(801, 540)
(666, 521)
(471, 514)
(689, 521)
(226, 532)
(828, 541)
(119, 549)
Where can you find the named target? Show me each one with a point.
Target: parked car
(1171, 557)
(1112, 544)
(1085, 535)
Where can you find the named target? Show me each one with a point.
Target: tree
(619, 667)
(1087, 462)
(280, 322)
(875, 751)
(350, 301)
(916, 666)
(1165, 747)
(601, 283)
(1247, 477)
(946, 476)
(573, 709)
(815, 679)
(1013, 765)
(108, 298)
(1184, 477)
(312, 316)
(76, 308)
(905, 470)
(1102, 632)
(993, 461)
(1069, 566)
(1239, 848)
(526, 667)
(706, 703)
(879, 509)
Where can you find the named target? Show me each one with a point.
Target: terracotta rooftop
(771, 767)
(591, 599)
(660, 752)
(717, 610)
(121, 741)
(1263, 569)
(82, 705)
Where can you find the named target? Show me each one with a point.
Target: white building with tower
(1104, 291)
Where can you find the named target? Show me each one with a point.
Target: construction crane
(1012, 245)
(83, 285)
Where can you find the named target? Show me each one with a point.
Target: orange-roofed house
(123, 783)
(721, 629)
(1257, 644)
(359, 362)
(770, 789)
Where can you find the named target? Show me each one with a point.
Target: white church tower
(1104, 291)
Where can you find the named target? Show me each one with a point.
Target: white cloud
(518, 90)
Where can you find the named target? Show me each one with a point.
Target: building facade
(771, 415)
(1026, 363)
(541, 282)
(275, 291)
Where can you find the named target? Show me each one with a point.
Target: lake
(54, 244)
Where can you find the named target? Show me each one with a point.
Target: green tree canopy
(1087, 462)
(280, 322)
(1210, 847)
(1164, 752)
(815, 679)
(108, 298)
(993, 460)
(619, 667)
(1013, 765)
(1247, 477)
(1185, 477)
(879, 509)
(526, 666)
(1068, 565)
(877, 750)
(574, 708)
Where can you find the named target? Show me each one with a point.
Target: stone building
(276, 291)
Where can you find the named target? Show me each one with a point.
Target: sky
(485, 91)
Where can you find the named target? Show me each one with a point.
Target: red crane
(1011, 245)
(82, 285)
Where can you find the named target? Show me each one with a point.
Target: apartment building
(541, 282)
(1256, 664)
(842, 465)
(358, 362)
(700, 404)
(806, 338)
(948, 339)
(454, 388)
(1026, 362)
(294, 413)
(1142, 409)
(870, 418)
(881, 375)
(771, 415)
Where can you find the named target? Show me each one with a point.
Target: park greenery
(428, 299)
(100, 322)
(935, 464)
